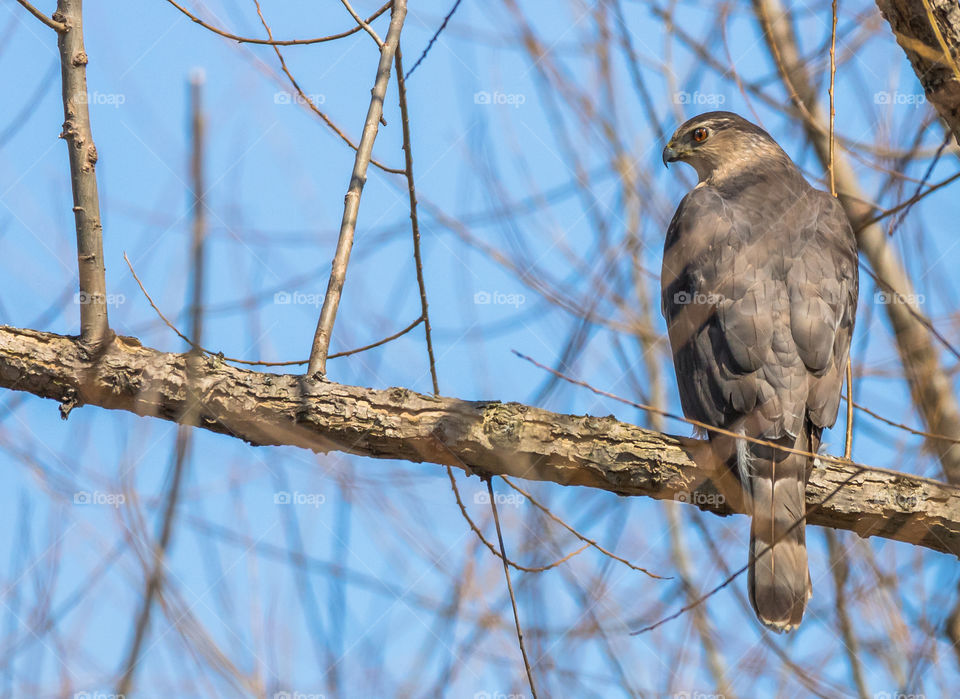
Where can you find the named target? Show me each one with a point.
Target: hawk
(759, 290)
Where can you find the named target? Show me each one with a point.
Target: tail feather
(775, 484)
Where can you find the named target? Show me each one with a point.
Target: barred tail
(775, 483)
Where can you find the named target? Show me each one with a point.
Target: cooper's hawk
(759, 290)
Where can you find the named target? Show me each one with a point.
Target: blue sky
(386, 543)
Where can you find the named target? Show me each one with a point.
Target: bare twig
(309, 102)
(414, 218)
(513, 601)
(52, 23)
(247, 362)
(338, 273)
(366, 27)
(433, 38)
(277, 42)
(94, 326)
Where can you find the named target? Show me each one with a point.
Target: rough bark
(485, 436)
(935, 59)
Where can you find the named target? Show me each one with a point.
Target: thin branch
(909, 202)
(307, 100)
(365, 25)
(277, 42)
(433, 38)
(94, 326)
(582, 537)
(513, 601)
(52, 23)
(414, 218)
(338, 273)
(833, 105)
(247, 362)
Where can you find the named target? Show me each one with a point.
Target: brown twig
(338, 272)
(577, 534)
(513, 601)
(307, 100)
(276, 42)
(476, 530)
(247, 362)
(52, 23)
(909, 202)
(414, 218)
(366, 26)
(94, 325)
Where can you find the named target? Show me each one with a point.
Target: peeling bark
(482, 436)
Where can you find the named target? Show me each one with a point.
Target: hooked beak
(670, 155)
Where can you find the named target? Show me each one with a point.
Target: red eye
(700, 134)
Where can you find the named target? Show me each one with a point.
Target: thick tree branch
(928, 31)
(486, 436)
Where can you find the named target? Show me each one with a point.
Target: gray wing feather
(759, 308)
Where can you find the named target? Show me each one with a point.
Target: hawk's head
(721, 144)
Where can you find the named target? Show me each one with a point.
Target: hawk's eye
(700, 134)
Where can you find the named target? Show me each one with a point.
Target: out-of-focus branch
(348, 225)
(930, 387)
(928, 31)
(156, 566)
(483, 436)
(94, 326)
